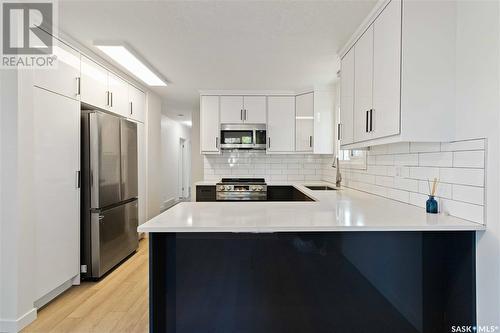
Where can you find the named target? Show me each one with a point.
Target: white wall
(171, 133)
(196, 157)
(478, 108)
(17, 233)
(154, 174)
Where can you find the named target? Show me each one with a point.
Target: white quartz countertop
(341, 210)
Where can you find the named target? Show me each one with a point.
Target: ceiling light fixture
(131, 62)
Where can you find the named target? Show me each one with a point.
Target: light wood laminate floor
(117, 303)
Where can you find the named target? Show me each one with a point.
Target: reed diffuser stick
(434, 186)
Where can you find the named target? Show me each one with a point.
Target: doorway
(184, 169)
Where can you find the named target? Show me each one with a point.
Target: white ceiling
(204, 45)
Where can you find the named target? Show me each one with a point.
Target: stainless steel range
(241, 189)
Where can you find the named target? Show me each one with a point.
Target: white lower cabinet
(56, 189)
(281, 124)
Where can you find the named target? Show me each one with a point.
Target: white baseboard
(56, 292)
(14, 326)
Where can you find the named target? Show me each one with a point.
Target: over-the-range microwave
(243, 136)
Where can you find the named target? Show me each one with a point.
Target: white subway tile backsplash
(468, 159)
(385, 160)
(401, 172)
(479, 144)
(406, 184)
(398, 195)
(474, 177)
(396, 171)
(384, 181)
(418, 199)
(436, 159)
(294, 167)
(464, 210)
(424, 173)
(379, 170)
(406, 160)
(443, 190)
(470, 194)
(425, 147)
(398, 148)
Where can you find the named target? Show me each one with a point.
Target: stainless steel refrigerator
(109, 192)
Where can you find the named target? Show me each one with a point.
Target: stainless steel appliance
(109, 191)
(244, 136)
(241, 189)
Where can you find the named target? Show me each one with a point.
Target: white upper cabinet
(118, 101)
(387, 71)
(346, 135)
(280, 124)
(209, 124)
(254, 109)
(243, 109)
(94, 83)
(404, 75)
(231, 109)
(304, 122)
(137, 106)
(363, 85)
(324, 120)
(65, 79)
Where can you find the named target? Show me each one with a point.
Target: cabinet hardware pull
(241, 114)
(131, 108)
(269, 142)
(366, 123)
(111, 93)
(78, 86)
(245, 114)
(78, 179)
(310, 141)
(338, 131)
(107, 98)
(217, 142)
(371, 120)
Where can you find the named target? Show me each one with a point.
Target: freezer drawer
(114, 236)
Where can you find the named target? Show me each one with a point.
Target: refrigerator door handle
(78, 179)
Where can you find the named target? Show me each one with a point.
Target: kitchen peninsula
(312, 266)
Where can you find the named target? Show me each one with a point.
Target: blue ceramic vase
(431, 206)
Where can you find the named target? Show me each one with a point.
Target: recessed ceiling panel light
(129, 61)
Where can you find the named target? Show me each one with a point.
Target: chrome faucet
(338, 179)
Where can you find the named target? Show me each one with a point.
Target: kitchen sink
(321, 188)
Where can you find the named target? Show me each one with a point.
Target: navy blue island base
(349, 282)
